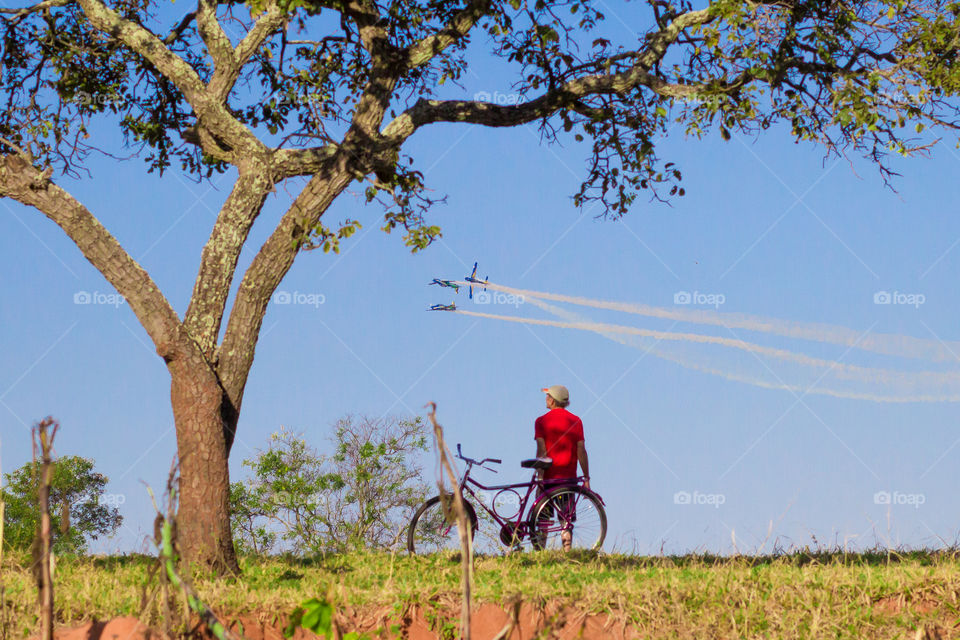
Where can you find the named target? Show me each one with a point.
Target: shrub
(361, 496)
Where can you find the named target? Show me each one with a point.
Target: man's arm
(541, 452)
(584, 462)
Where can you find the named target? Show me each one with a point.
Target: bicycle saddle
(537, 463)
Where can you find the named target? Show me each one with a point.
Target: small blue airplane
(473, 278)
(444, 307)
(447, 283)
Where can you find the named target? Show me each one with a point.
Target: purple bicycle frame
(543, 488)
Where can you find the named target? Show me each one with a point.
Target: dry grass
(797, 596)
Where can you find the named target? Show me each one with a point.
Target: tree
(76, 495)
(331, 90)
(362, 496)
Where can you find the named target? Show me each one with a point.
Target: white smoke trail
(885, 344)
(803, 374)
(823, 377)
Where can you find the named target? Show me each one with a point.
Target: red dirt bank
(488, 621)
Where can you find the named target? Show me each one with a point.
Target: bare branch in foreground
(463, 524)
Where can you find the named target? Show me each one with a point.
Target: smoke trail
(804, 374)
(885, 344)
(830, 378)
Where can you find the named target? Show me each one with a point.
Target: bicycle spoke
(569, 519)
(433, 530)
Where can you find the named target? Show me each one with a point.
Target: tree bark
(203, 518)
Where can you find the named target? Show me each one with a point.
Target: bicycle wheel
(432, 530)
(568, 512)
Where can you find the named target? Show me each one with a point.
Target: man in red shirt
(559, 435)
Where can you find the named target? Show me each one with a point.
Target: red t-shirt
(561, 431)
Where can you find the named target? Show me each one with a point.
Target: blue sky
(767, 223)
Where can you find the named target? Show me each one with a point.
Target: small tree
(360, 496)
(75, 494)
(285, 493)
(250, 533)
(381, 481)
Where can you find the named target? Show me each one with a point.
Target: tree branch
(272, 18)
(457, 28)
(178, 30)
(366, 15)
(235, 354)
(213, 35)
(146, 44)
(384, 70)
(212, 114)
(287, 163)
(565, 95)
(20, 13)
(659, 42)
(218, 261)
(29, 186)
(228, 70)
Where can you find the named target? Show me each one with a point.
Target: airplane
(444, 307)
(473, 278)
(447, 283)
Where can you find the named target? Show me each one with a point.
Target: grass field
(802, 595)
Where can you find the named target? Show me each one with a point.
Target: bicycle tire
(551, 515)
(429, 515)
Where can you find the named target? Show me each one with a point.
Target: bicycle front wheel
(568, 518)
(434, 529)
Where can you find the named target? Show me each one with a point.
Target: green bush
(361, 496)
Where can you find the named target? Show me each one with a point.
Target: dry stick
(513, 622)
(43, 495)
(463, 525)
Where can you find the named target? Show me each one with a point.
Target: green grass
(795, 596)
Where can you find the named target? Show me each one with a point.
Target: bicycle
(556, 508)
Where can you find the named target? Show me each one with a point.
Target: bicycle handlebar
(477, 462)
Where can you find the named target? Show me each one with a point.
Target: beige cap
(558, 392)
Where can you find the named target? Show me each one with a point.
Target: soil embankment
(417, 623)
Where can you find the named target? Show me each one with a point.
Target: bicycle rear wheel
(570, 513)
(434, 529)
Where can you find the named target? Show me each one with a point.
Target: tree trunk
(203, 522)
